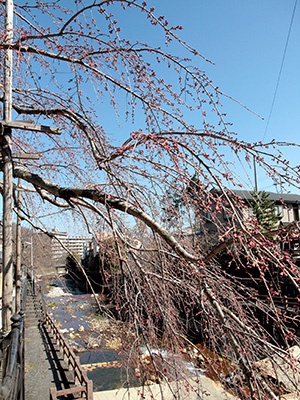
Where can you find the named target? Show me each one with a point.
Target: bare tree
(76, 68)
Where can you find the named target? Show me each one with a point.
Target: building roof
(277, 197)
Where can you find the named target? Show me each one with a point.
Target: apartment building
(76, 244)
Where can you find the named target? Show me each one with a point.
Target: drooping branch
(76, 61)
(67, 193)
(78, 263)
(45, 187)
(73, 117)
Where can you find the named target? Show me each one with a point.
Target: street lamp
(31, 257)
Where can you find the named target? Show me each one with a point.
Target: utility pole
(6, 126)
(19, 189)
(255, 176)
(7, 253)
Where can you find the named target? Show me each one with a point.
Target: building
(287, 208)
(76, 244)
(287, 205)
(99, 237)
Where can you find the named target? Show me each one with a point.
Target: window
(296, 212)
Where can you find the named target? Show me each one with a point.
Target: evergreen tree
(264, 210)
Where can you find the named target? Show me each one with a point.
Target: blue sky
(246, 41)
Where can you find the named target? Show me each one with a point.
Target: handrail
(37, 295)
(84, 385)
(12, 354)
(12, 387)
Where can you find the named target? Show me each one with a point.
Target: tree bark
(7, 254)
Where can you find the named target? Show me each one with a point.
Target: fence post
(12, 372)
(89, 390)
(52, 392)
(1, 354)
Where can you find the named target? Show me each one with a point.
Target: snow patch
(57, 292)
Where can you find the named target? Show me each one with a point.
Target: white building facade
(76, 244)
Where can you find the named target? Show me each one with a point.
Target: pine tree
(264, 210)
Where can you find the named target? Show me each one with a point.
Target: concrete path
(38, 374)
(204, 388)
(44, 367)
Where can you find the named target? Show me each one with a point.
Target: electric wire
(281, 68)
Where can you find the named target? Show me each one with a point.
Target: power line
(280, 71)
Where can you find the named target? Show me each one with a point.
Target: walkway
(44, 367)
(200, 388)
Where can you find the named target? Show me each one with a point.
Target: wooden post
(6, 126)
(7, 254)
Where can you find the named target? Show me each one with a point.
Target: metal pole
(255, 176)
(7, 266)
(31, 256)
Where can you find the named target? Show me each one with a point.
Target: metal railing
(12, 355)
(12, 352)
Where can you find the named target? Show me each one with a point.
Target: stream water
(93, 337)
(89, 334)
